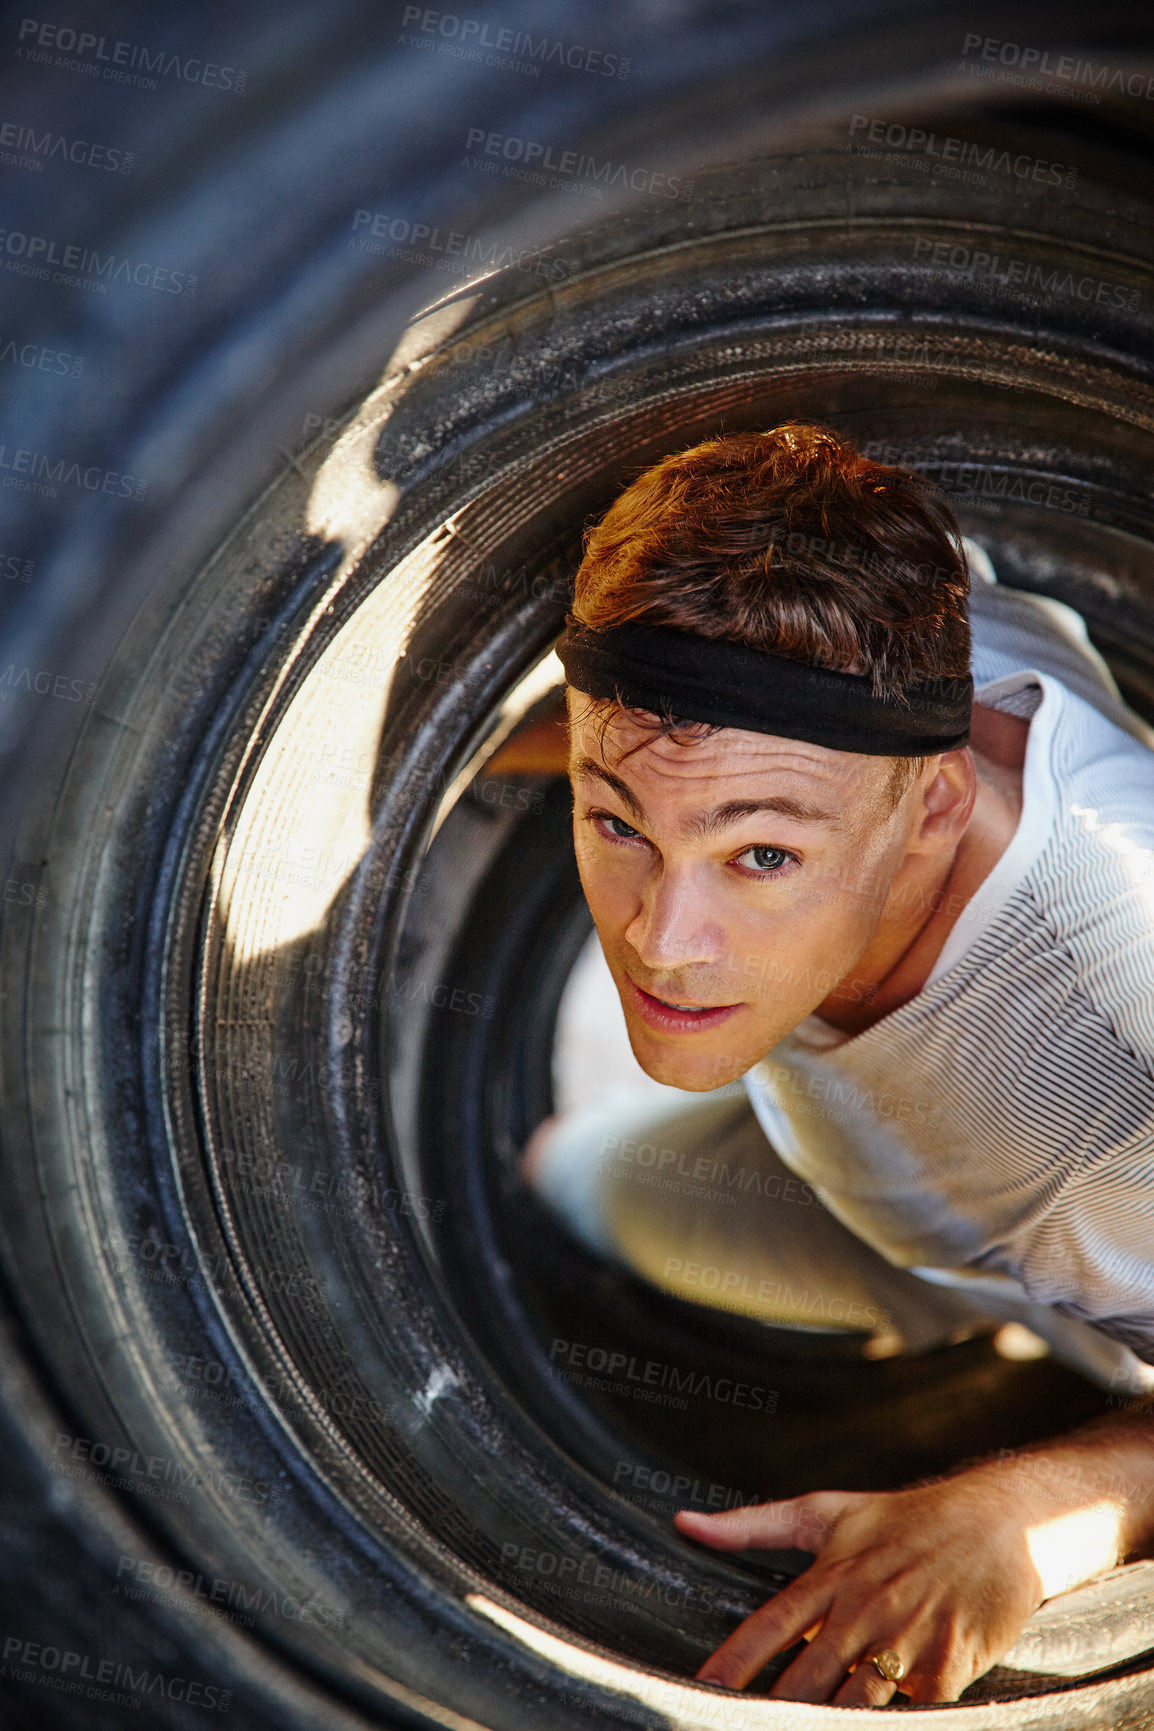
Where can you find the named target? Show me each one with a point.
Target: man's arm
(945, 1573)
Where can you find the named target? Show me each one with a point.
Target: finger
(799, 1523)
(821, 1670)
(864, 1688)
(777, 1625)
(939, 1679)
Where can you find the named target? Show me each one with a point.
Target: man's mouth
(678, 1015)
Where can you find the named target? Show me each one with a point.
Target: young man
(920, 930)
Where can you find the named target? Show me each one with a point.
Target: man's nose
(674, 926)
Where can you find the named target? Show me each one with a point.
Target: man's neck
(898, 963)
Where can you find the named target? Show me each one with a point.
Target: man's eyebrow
(707, 823)
(590, 768)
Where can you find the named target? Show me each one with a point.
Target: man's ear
(945, 803)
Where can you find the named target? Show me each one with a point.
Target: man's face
(741, 875)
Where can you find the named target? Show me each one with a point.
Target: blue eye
(765, 859)
(616, 825)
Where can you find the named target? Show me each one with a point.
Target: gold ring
(887, 1665)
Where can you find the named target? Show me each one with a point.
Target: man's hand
(944, 1574)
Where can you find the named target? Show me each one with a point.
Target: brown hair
(794, 543)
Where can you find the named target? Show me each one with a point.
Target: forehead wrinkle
(741, 755)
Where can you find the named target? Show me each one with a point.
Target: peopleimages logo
(120, 61)
(44, 472)
(1020, 64)
(217, 1593)
(43, 256)
(44, 682)
(530, 159)
(653, 1375)
(478, 40)
(448, 249)
(564, 1575)
(24, 147)
(1024, 276)
(107, 1680)
(128, 1469)
(37, 357)
(946, 149)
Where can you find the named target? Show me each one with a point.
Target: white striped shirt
(1002, 1121)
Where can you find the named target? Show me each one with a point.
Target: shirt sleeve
(1091, 1255)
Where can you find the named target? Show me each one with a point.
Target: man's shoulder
(1078, 935)
(1088, 783)
(1104, 781)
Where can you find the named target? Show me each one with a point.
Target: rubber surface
(273, 1325)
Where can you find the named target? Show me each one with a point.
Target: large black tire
(275, 1414)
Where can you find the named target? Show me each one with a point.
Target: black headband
(673, 673)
